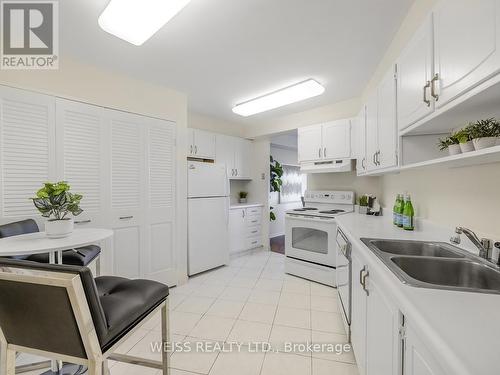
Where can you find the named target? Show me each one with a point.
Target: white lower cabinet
(375, 323)
(245, 229)
(418, 360)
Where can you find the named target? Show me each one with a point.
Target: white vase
(467, 147)
(454, 149)
(480, 143)
(59, 228)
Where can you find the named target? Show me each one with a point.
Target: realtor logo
(30, 35)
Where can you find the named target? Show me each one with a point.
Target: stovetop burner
(332, 212)
(305, 209)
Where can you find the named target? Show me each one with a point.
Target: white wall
(89, 84)
(284, 155)
(345, 181)
(215, 125)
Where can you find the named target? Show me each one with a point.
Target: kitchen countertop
(235, 206)
(461, 329)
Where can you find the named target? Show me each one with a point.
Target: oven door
(311, 239)
(344, 275)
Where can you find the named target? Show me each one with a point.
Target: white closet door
(80, 156)
(159, 255)
(27, 150)
(127, 194)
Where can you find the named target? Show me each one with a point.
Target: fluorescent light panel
(292, 94)
(138, 20)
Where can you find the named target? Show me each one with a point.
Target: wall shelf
(484, 156)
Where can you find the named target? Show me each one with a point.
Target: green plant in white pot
(485, 133)
(451, 144)
(464, 138)
(56, 203)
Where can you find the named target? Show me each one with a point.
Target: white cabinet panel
(371, 131)
(382, 333)
(360, 139)
(237, 230)
(337, 140)
(126, 252)
(243, 156)
(467, 44)
(81, 156)
(418, 359)
(358, 319)
(414, 70)
(310, 143)
(27, 149)
(203, 144)
(236, 154)
(225, 153)
(387, 127)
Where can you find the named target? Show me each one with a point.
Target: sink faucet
(482, 245)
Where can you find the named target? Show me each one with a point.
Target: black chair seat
(125, 302)
(83, 256)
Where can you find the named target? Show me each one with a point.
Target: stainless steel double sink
(436, 265)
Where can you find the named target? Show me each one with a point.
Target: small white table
(39, 243)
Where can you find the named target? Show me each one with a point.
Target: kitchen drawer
(254, 211)
(253, 242)
(254, 231)
(253, 220)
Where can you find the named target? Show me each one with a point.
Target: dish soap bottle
(408, 215)
(395, 210)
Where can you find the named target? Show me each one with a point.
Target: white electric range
(310, 235)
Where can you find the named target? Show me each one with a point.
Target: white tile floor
(251, 300)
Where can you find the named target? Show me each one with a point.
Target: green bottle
(395, 210)
(408, 215)
(401, 208)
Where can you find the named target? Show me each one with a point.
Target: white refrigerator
(208, 216)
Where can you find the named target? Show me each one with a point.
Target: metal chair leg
(165, 338)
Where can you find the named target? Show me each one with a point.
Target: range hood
(327, 166)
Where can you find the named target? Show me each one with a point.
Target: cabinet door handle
(126, 217)
(378, 157)
(367, 273)
(191, 150)
(361, 276)
(363, 163)
(243, 213)
(83, 221)
(375, 158)
(433, 87)
(196, 150)
(427, 101)
(324, 152)
(319, 152)
(254, 231)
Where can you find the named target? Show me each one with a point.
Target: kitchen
(299, 173)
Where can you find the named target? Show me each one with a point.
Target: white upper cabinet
(337, 140)
(372, 131)
(387, 122)
(236, 153)
(325, 142)
(310, 143)
(201, 144)
(27, 149)
(466, 40)
(414, 75)
(359, 134)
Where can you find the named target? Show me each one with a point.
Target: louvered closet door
(27, 150)
(81, 157)
(159, 257)
(127, 191)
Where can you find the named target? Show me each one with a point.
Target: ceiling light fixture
(138, 20)
(291, 94)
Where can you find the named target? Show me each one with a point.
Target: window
(294, 184)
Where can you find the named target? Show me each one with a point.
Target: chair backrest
(49, 308)
(17, 228)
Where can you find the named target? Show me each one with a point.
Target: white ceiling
(222, 52)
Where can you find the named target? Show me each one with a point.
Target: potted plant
(485, 133)
(451, 144)
(363, 204)
(243, 197)
(55, 202)
(464, 137)
(275, 182)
